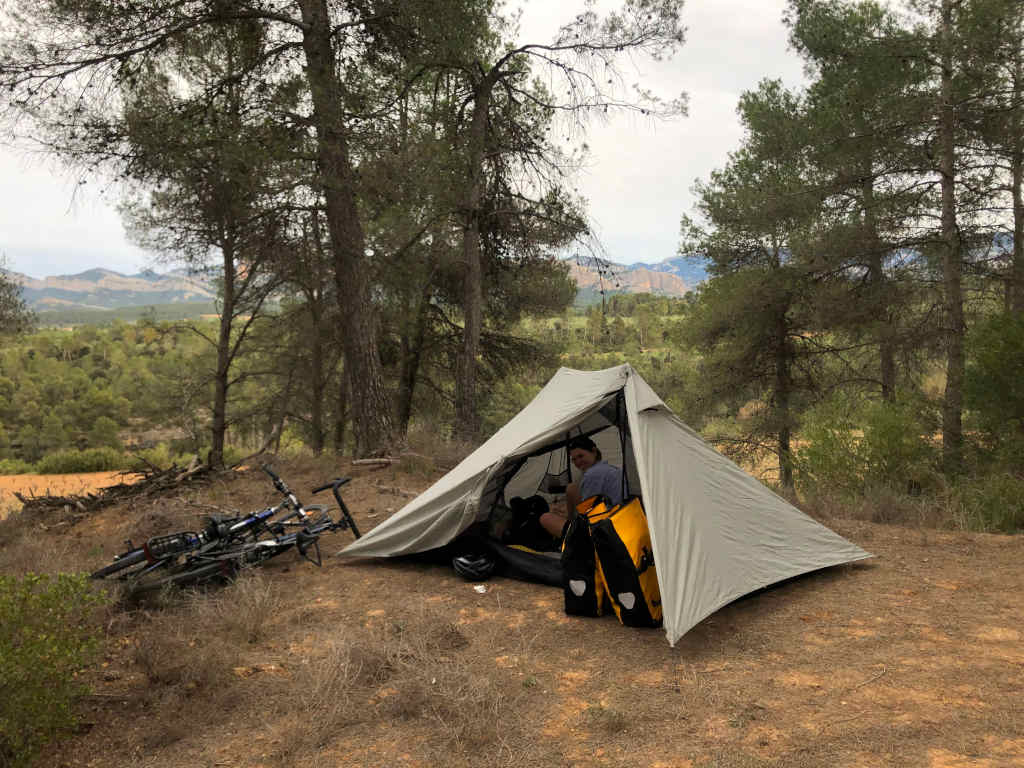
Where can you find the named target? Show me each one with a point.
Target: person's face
(582, 459)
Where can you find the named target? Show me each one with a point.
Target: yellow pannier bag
(625, 562)
(591, 504)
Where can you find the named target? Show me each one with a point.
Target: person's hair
(586, 444)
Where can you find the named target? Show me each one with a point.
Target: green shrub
(45, 639)
(104, 433)
(161, 455)
(89, 460)
(16, 467)
(993, 387)
(850, 447)
(233, 455)
(993, 503)
(895, 450)
(826, 458)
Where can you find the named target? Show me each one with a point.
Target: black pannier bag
(584, 593)
(581, 576)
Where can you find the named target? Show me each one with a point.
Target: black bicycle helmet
(477, 567)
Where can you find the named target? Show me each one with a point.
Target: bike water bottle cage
(161, 546)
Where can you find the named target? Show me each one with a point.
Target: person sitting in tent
(599, 478)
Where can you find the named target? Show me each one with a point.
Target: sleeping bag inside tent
(715, 532)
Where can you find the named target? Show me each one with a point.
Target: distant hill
(71, 316)
(683, 267)
(105, 289)
(675, 276)
(94, 291)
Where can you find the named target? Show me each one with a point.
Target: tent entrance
(546, 470)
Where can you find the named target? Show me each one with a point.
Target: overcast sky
(637, 180)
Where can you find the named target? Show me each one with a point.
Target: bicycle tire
(256, 553)
(135, 557)
(187, 575)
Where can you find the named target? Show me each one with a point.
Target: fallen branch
(394, 490)
(416, 455)
(382, 460)
(150, 481)
(845, 719)
(262, 450)
(869, 680)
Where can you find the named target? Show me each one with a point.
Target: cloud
(641, 172)
(51, 225)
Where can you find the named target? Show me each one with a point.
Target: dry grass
(912, 659)
(186, 662)
(415, 669)
(883, 506)
(319, 705)
(443, 454)
(29, 545)
(244, 612)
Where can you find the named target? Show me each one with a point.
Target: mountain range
(105, 289)
(675, 276)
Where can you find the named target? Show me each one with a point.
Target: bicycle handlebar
(346, 516)
(335, 483)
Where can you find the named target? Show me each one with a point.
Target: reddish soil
(914, 658)
(53, 485)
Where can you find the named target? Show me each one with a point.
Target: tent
(717, 533)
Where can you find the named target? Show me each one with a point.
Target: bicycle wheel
(186, 575)
(134, 557)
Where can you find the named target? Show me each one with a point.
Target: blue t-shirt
(602, 478)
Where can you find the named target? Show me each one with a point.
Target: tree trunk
(372, 422)
(1015, 281)
(1016, 292)
(783, 393)
(316, 410)
(952, 266)
(221, 385)
(879, 299)
(412, 352)
(341, 418)
(467, 417)
(1016, 289)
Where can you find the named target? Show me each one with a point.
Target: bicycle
(227, 544)
(158, 550)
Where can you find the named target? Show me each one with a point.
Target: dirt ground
(52, 485)
(913, 658)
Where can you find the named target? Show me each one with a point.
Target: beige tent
(717, 533)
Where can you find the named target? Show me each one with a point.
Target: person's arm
(572, 499)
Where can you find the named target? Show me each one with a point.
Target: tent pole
(620, 413)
